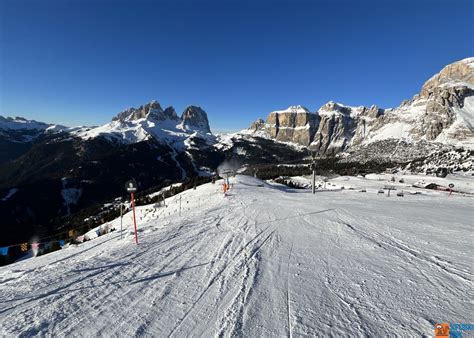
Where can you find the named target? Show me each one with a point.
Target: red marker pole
(134, 219)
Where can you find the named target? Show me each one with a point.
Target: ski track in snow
(263, 261)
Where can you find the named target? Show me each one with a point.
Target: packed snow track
(265, 260)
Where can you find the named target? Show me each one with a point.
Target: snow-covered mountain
(150, 121)
(443, 112)
(20, 123)
(21, 130)
(18, 135)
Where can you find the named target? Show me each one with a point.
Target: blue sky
(81, 62)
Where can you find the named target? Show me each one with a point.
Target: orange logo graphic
(442, 330)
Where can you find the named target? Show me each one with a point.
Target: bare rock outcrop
(335, 128)
(195, 118)
(257, 125)
(152, 109)
(445, 92)
(295, 124)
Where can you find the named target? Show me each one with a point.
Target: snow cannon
(226, 174)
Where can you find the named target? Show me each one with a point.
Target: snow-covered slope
(263, 261)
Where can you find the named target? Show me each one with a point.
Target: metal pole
(134, 219)
(314, 180)
(121, 216)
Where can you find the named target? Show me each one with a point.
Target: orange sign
(442, 330)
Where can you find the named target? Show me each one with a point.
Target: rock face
(149, 110)
(195, 118)
(329, 130)
(459, 74)
(445, 92)
(170, 113)
(258, 125)
(295, 124)
(335, 129)
(442, 112)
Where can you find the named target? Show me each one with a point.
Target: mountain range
(441, 113)
(50, 171)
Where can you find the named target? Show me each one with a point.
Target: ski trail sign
(131, 187)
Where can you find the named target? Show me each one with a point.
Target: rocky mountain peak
(373, 112)
(132, 114)
(457, 74)
(257, 125)
(332, 107)
(170, 113)
(150, 110)
(298, 109)
(195, 118)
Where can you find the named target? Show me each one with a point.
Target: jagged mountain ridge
(442, 112)
(151, 121)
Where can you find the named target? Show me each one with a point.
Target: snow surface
(397, 130)
(464, 122)
(467, 114)
(408, 183)
(292, 109)
(265, 260)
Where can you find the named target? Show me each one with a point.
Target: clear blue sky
(81, 62)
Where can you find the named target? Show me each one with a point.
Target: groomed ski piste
(265, 260)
